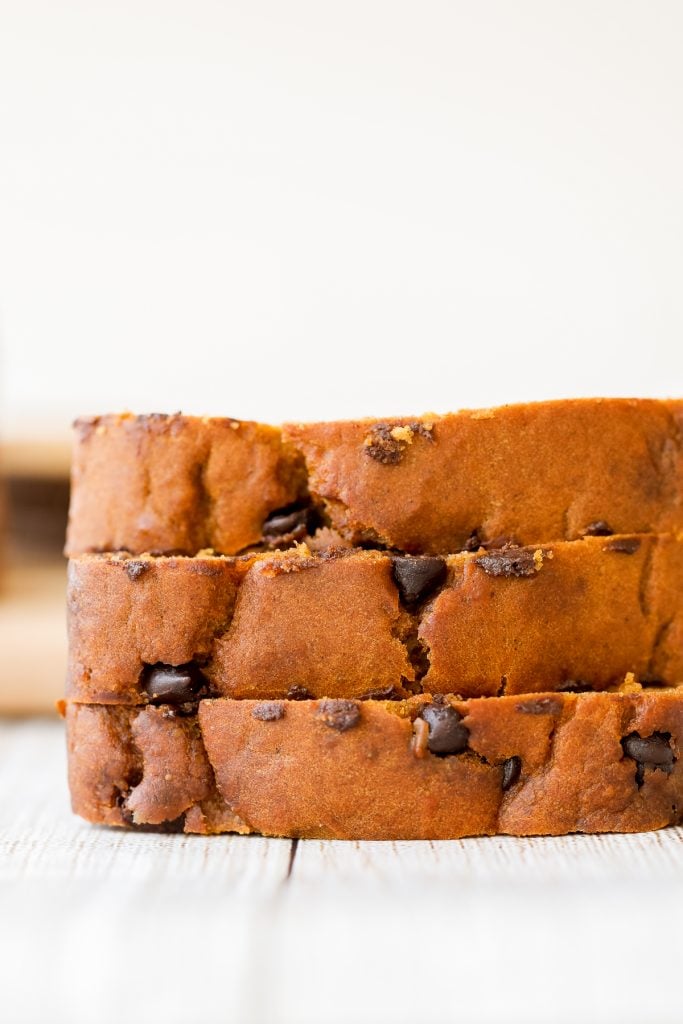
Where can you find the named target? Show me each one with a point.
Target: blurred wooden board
(101, 925)
(35, 457)
(34, 473)
(32, 636)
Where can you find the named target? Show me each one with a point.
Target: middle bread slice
(567, 616)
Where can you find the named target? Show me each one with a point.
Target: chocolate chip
(299, 693)
(369, 544)
(386, 444)
(173, 684)
(447, 734)
(511, 771)
(649, 752)
(574, 686)
(165, 827)
(473, 542)
(339, 714)
(598, 529)
(544, 706)
(135, 570)
(510, 562)
(654, 750)
(291, 523)
(417, 577)
(623, 545)
(269, 711)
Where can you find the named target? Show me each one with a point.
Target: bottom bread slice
(426, 768)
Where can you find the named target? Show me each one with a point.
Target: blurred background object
(35, 484)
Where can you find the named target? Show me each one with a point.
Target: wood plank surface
(99, 926)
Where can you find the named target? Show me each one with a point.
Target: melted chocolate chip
(473, 542)
(598, 529)
(173, 684)
(295, 524)
(269, 711)
(623, 545)
(371, 545)
(574, 686)
(544, 706)
(416, 577)
(649, 752)
(447, 734)
(299, 693)
(512, 769)
(135, 570)
(339, 714)
(512, 562)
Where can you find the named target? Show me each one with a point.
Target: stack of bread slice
(402, 629)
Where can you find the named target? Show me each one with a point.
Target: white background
(313, 209)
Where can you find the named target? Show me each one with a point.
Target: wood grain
(99, 925)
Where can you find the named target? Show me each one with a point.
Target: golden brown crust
(553, 764)
(177, 484)
(580, 615)
(537, 473)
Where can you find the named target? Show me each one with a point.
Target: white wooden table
(100, 926)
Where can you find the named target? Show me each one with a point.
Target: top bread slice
(524, 474)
